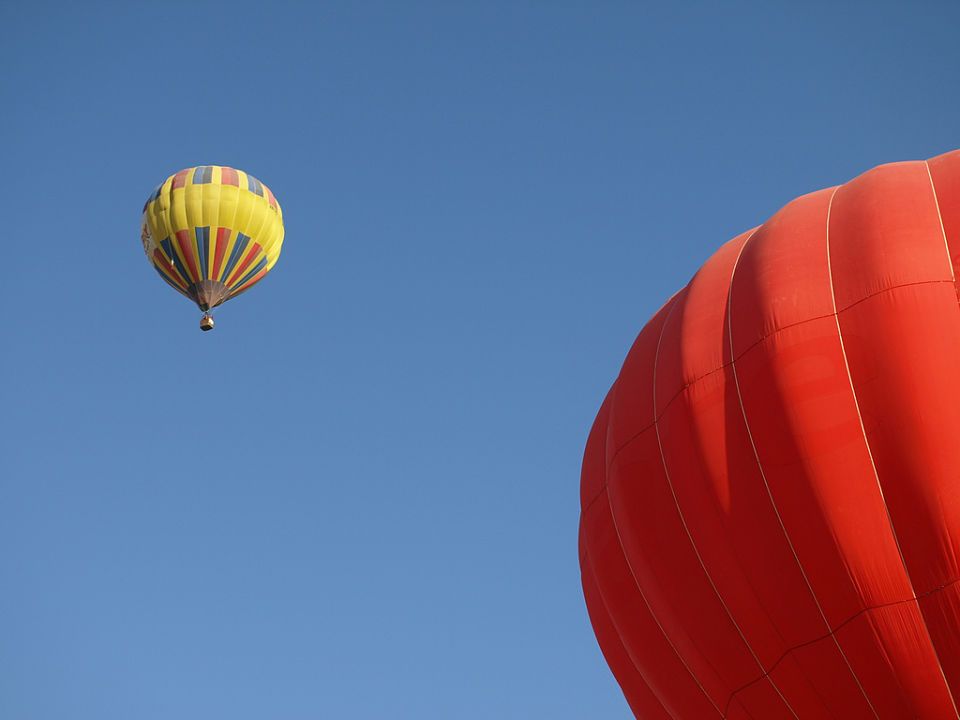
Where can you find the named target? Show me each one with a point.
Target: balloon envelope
(770, 519)
(212, 232)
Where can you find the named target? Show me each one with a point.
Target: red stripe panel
(902, 347)
(631, 397)
(223, 237)
(667, 655)
(250, 283)
(643, 701)
(945, 173)
(180, 179)
(228, 176)
(798, 400)
(652, 652)
(270, 198)
(721, 493)
(161, 261)
(188, 249)
(887, 233)
(712, 484)
(941, 610)
(774, 472)
(641, 697)
(252, 251)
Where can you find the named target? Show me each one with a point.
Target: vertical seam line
(606, 610)
(683, 520)
(766, 484)
(936, 202)
(636, 582)
(866, 441)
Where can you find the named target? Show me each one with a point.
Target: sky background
(358, 497)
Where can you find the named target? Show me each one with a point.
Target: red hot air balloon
(770, 522)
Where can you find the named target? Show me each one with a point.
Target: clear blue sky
(358, 497)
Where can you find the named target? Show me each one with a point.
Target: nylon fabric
(770, 507)
(212, 232)
(640, 697)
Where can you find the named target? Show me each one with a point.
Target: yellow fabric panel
(199, 197)
(231, 243)
(213, 204)
(192, 199)
(229, 199)
(210, 197)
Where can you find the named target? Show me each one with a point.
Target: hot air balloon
(211, 233)
(770, 494)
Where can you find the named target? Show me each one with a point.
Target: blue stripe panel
(235, 255)
(168, 281)
(254, 186)
(256, 268)
(175, 259)
(203, 174)
(203, 250)
(153, 196)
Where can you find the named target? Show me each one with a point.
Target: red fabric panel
(798, 398)
(228, 176)
(719, 492)
(631, 400)
(666, 569)
(649, 648)
(249, 283)
(885, 232)
(804, 421)
(252, 251)
(890, 650)
(649, 656)
(188, 249)
(775, 525)
(782, 277)
(941, 609)
(645, 516)
(902, 347)
(903, 362)
(945, 175)
(639, 696)
(161, 260)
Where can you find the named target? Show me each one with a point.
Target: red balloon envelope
(770, 521)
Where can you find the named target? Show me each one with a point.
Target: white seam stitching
(626, 651)
(774, 333)
(646, 602)
(866, 441)
(936, 202)
(946, 246)
(683, 519)
(766, 485)
(616, 529)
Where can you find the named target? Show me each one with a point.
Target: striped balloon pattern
(212, 232)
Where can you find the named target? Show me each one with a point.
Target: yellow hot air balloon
(212, 232)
